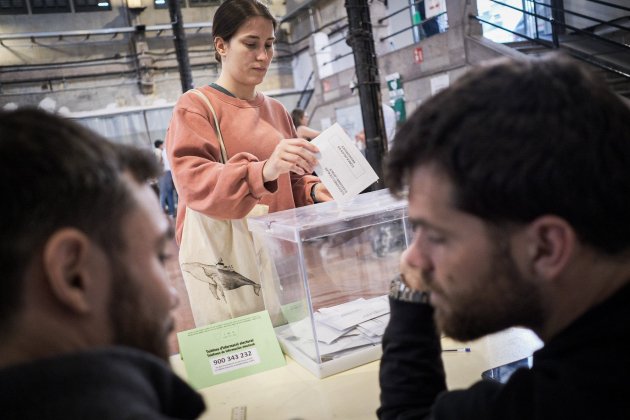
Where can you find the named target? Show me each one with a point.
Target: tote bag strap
(216, 123)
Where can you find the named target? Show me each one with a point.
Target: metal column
(362, 43)
(181, 47)
(557, 21)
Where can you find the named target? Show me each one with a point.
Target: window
(503, 16)
(203, 3)
(50, 6)
(13, 7)
(91, 5)
(163, 4)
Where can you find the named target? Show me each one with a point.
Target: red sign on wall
(418, 56)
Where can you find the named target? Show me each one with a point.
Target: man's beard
(505, 299)
(132, 325)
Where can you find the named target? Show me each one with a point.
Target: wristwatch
(398, 290)
(313, 197)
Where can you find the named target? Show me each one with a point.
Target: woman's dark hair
(232, 14)
(296, 115)
(520, 139)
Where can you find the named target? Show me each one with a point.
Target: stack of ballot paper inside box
(325, 273)
(348, 326)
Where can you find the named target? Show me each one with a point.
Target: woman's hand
(321, 193)
(290, 155)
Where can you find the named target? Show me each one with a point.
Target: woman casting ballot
(267, 163)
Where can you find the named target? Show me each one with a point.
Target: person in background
(518, 180)
(158, 145)
(300, 121)
(389, 118)
(430, 26)
(167, 187)
(85, 302)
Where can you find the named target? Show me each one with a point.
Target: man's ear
(68, 268)
(551, 244)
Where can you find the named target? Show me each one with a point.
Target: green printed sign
(230, 350)
(396, 96)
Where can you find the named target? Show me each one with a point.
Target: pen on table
(462, 350)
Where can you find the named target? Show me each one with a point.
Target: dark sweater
(582, 373)
(112, 383)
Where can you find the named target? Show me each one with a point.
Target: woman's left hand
(321, 193)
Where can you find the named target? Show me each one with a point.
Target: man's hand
(290, 155)
(412, 276)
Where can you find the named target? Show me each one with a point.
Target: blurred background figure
(389, 117)
(157, 151)
(300, 121)
(166, 186)
(159, 145)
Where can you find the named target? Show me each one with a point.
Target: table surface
(293, 393)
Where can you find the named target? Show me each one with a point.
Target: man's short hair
(55, 173)
(524, 138)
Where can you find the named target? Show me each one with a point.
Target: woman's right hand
(290, 155)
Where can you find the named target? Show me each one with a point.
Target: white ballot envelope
(342, 167)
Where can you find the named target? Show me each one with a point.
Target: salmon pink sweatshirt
(250, 130)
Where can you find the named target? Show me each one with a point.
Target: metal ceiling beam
(108, 31)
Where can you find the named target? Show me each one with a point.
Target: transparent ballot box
(325, 273)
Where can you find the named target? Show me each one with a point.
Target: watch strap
(400, 291)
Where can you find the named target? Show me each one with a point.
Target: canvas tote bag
(218, 260)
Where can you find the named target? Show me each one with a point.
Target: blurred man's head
(512, 171)
(83, 242)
